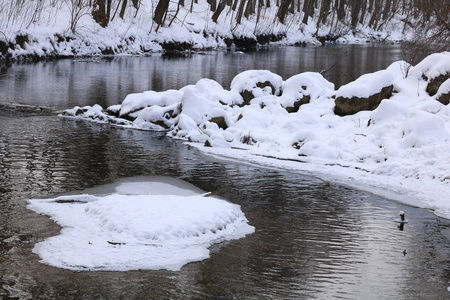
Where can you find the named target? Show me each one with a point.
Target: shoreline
(379, 185)
(402, 188)
(395, 148)
(29, 53)
(136, 35)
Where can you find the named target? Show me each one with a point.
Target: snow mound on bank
(407, 136)
(129, 232)
(431, 67)
(259, 82)
(366, 85)
(307, 83)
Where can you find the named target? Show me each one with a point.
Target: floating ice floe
(123, 231)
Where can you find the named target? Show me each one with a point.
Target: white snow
(399, 150)
(366, 85)
(304, 84)
(433, 66)
(443, 89)
(68, 28)
(142, 225)
(248, 80)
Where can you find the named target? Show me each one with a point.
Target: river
(313, 239)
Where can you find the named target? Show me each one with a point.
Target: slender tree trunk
(386, 10)
(370, 8)
(122, 10)
(108, 10)
(356, 8)
(219, 10)
(240, 12)
(324, 12)
(341, 10)
(249, 9)
(362, 15)
(306, 10)
(235, 3)
(373, 23)
(135, 3)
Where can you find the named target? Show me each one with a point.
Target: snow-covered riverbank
(65, 29)
(399, 148)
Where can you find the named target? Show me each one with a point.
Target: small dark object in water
(402, 218)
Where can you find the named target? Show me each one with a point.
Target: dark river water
(66, 83)
(313, 239)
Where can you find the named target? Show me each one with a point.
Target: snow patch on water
(145, 229)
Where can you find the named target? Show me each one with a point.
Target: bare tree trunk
(307, 6)
(240, 11)
(235, 3)
(212, 5)
(386, 10)
(324, 12)
(249, 9)
(283, 10)
(136, 3)
(373, 23)
(160, 11)
(363, 11)
(341, 10)
(356, 7)
(370, 8)
(123, 9)
(108, 10)
(99, 12)
(219, 10)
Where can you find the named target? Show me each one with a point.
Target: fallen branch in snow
(116, 244)
(69, 201)
(209, 194)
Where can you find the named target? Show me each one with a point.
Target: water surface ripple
(313, 239)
